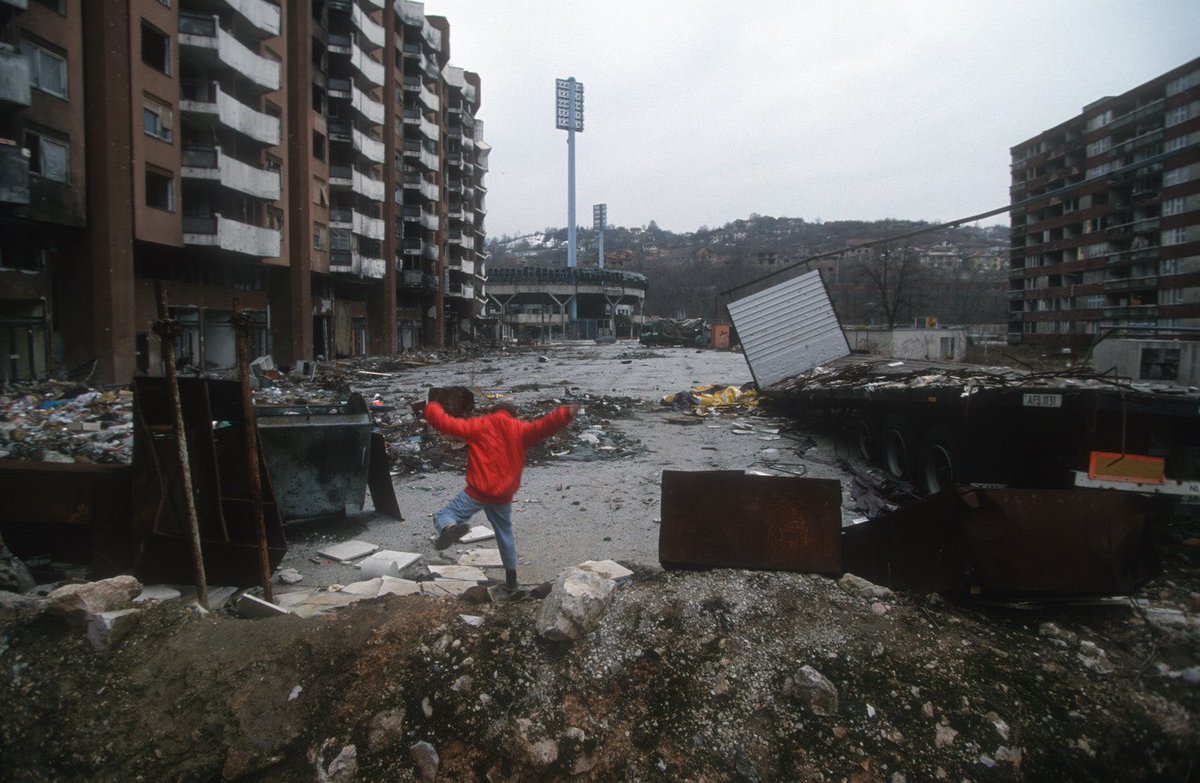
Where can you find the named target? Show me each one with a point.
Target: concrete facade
(318, 161)
(1106, 218)
(533, 303)
(1173, 361)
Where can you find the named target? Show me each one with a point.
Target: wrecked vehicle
(674, 331)
(938, 425)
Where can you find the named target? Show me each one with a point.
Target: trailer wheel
(942, 459)
(900, 449)
(864, 439)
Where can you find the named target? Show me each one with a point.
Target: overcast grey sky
(701, 112)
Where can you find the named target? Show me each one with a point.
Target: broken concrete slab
(368, 588)
(609, 569)
(107, 629)
(575, 604)
(478, 533)
(218, 597)
(253, 608)
(293, 599)
(449, 586)
(393, 586)
(348, 550)
(461, 572)
(482, 558)
(157, 594)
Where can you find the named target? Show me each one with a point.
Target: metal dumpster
(317, 457)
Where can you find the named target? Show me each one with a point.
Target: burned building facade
(319, 161)
(1106, 219)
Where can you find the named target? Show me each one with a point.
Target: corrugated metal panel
(788, 329)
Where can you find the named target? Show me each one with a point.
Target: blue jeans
(463, 507)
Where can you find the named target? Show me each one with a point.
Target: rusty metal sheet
(75, 513)
(379, 479)
(729, 519)
(213, 415)
(1075, 542)
(1006, 542)
(916, 547)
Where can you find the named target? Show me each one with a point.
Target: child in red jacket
(496, 444)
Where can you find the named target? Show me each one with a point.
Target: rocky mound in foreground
(722, 675)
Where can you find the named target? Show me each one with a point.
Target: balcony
(424, 217)
(203, 39)
(14, 80)
(351, 262)
(411, 13)
(210, 163)
(461, 291)
(226, 234)
(427, 159)
(417, 247)
(1152, 109)
(262, 16)
(371, 109)
(467, 267)
(366, 226)
(431, 34)
(1120, 284)
(369, 148)
(462, 240)
(426, 189)
(371, 70)
(14, 175)
(429, 98)
(363, 185)
(208, 101)
(372, 31)
(1131, 311)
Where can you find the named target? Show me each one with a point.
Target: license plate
(1042, 401)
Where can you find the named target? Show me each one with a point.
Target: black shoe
(451, 534)
(510, 579)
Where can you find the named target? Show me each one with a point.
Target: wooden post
(241, 324)
(168, 329)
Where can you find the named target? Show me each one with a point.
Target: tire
(864, 439)
(899, 445)
(943, 460)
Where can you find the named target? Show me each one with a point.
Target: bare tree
(894, 282)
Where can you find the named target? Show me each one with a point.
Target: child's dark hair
(505, 405)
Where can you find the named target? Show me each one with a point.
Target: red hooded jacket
(496, 445)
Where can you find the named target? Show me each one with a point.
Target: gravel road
(570, 510)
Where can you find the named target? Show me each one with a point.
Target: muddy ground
(688, 675)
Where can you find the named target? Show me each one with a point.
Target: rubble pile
(60, 422)
(721, 675)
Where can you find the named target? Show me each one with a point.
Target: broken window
(1159, 364)
(156, 48)
(157, 119)
(160, 190)
(47, 69)
(47, 157)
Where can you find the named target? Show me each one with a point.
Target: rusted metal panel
(379, 479)
(729, 519)
(1088, 542)
(788, 329)
(916, 547)
(76, 513)
(1003, 542)
(213, 416)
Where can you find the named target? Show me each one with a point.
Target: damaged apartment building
(318, 161)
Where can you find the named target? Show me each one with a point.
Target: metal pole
(168, 329)
(601, 245)
(571, 175)
(241, 324)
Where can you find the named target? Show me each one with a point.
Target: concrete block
(348, 550)
(609, 569)
(460, 572)
(333, 600)
(482, 558)
(157, 594)
(433, 589)
(478, 533)
(106, 629)
(368, 588)
(256, 608)
(393, 586)
(389, 562)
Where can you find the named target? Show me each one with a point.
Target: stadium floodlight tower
(599, 223)
(568, 106)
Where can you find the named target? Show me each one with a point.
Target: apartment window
(48, 157)
(1171, 296)
(1176, 86)
(47, 69)
(320, 192)
(157, 119)
(318, 236)
(1177, 176)
(1095, 300)
(1175, 236)
(274, 163)
(160, 190)
(156, 48)
(318, 140)
(1172, 206)
(1177, 115)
